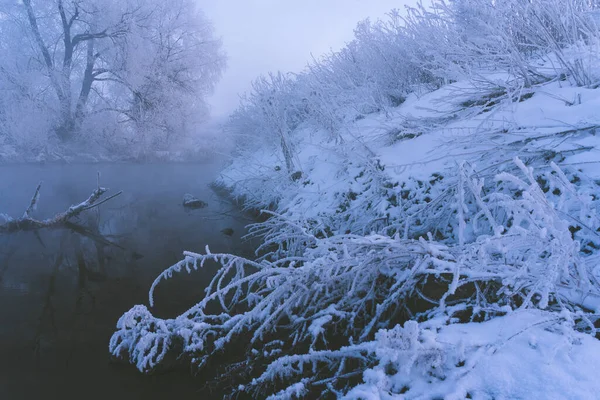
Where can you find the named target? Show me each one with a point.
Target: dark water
(62, 291)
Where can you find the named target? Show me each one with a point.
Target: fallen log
(28, 223)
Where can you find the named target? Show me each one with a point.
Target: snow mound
(523, 355)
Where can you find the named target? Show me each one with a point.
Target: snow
(523, 355)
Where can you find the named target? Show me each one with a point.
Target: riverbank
(447, 214)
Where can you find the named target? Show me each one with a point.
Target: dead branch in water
(28, 223)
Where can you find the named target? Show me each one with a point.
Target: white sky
(269, 35)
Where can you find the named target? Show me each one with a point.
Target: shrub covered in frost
(512, 248)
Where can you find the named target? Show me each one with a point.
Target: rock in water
(227, 231)
(192, 202)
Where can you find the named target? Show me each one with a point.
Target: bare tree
(131, 59)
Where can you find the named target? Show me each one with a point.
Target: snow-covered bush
(513, 250)
(465, 37)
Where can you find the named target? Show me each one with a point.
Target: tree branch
(27, 223)
(34, 201)
(66, 25)
(43, 48)
(36, 32)
(82, 37)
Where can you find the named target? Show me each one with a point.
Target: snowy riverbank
(434, 227)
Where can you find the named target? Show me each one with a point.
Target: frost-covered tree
(142, 66)
(272, 110)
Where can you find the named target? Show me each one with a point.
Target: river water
(62, 290)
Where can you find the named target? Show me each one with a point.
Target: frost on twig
(28, 223)
(515, 251)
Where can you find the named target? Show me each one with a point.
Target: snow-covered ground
(524, 355)
(439, 133)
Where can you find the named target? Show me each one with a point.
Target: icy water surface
(62, 290)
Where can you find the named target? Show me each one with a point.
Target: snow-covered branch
(28, 223)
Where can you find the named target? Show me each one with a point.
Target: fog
(262, 36)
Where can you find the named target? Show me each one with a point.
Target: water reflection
(62, 290)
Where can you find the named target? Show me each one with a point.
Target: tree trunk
(65, 129)
(69, 119)
(288, 156)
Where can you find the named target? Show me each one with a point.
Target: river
(62, 290)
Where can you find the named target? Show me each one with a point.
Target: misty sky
(269, 35)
